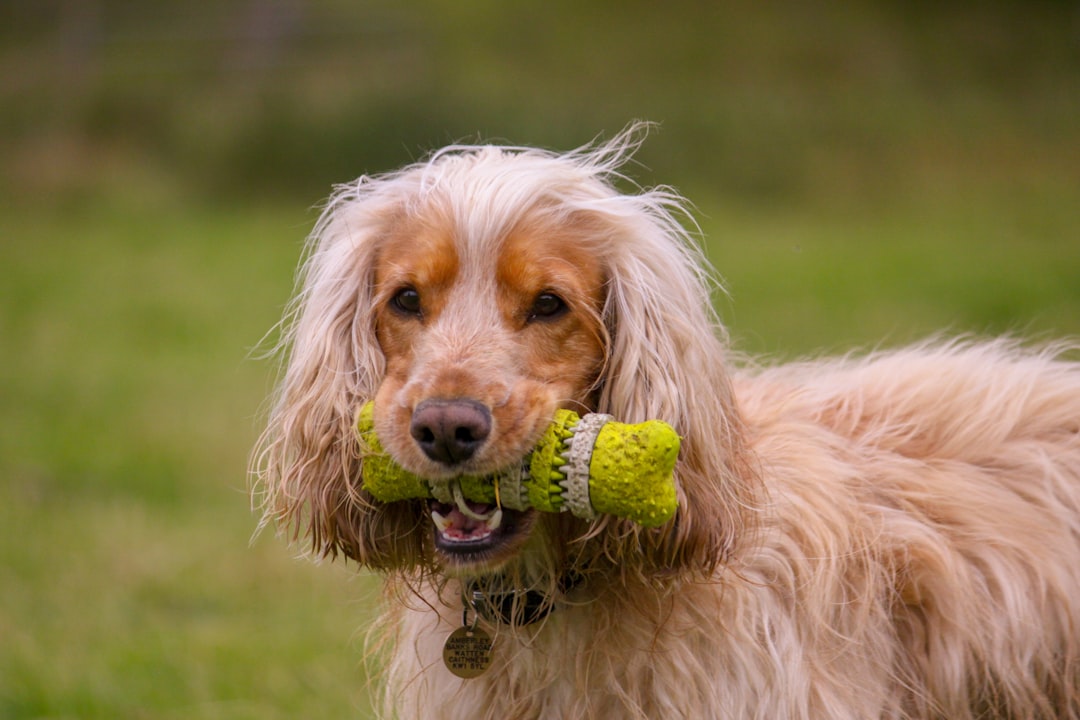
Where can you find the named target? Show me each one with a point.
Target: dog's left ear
(666, 360)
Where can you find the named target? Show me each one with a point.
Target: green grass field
(130, 401)
(130, 587)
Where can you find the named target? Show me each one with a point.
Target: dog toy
(587, 465)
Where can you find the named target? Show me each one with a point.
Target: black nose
(450, 431)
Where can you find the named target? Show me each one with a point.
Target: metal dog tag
(467, 652)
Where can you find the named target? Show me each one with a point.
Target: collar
(515, 606)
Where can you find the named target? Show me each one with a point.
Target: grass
(129, 403)
(805, 283)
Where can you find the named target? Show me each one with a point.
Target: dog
(888, 535)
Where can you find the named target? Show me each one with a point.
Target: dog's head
(470, 296)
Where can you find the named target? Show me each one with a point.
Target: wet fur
(895, 535)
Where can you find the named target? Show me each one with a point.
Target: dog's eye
(407, 301)
(546, 306)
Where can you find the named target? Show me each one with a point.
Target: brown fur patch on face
(424, 259)
(564, 350)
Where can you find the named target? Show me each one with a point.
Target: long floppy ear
(306, 464)
(667, 354)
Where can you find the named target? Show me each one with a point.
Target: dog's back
(923, 530)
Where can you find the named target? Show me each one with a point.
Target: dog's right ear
(666, 360)
(306, 465)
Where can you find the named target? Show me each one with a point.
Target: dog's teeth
(495, 520)
(464, 509)
(440, 522)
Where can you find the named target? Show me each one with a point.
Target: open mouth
(471, 531)
(466, 521)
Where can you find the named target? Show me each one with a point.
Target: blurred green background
(865, 173)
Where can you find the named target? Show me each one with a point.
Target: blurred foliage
(772, 101)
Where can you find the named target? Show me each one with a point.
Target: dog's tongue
(475, 510)
(461, 522)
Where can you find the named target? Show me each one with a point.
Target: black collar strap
(516, 606)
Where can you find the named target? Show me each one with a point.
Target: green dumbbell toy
(587, 465)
